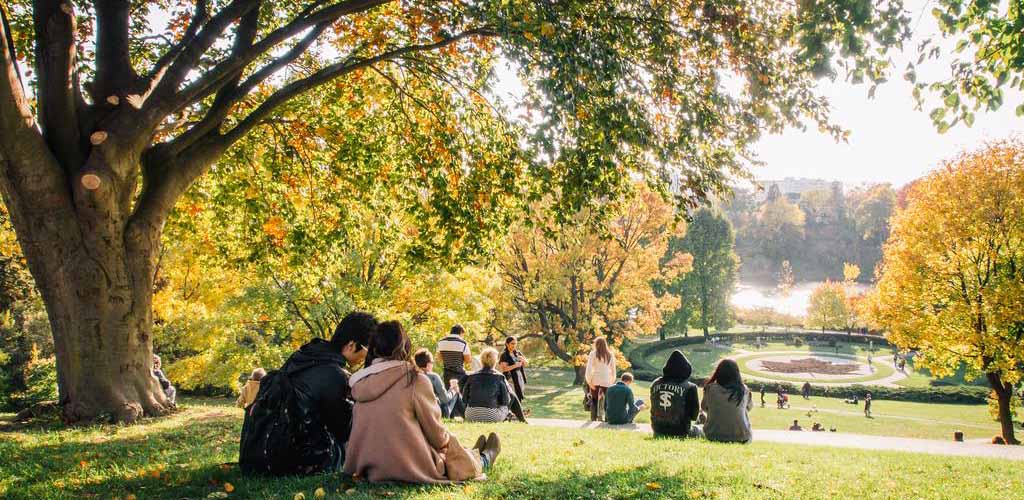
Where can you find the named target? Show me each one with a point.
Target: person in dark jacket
(513, 364)
(447, 398)
(620, 406)
(674, 400)
(487, 396)
(319, 371)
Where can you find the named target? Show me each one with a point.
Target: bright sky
(889, 141)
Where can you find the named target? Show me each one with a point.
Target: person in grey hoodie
(674, 400)
(727, 403)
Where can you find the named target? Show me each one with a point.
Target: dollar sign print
(666, 400)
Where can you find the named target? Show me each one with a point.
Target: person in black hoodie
(674, 400)
(318, 376)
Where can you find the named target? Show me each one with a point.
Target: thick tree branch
(199, 18)
(169, 100)
(113, 38)
(165, 83)
(227, 97)
(333, 71)
(57, 92)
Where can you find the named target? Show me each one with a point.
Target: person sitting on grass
(674, 400)
(397, 432)
(250, 389)
(302, 415)
(727, 402)
(796, 426)
(447, 398)
(165, 384)
(620, 406)
(486, 395)
(817, 427)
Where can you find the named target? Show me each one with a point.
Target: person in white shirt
(600, 375)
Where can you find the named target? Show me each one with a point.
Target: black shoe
(481, 442)
(491, 449)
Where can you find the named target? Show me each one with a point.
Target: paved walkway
(836, 439)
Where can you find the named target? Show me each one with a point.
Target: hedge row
(643, 370)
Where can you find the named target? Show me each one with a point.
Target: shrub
(40, 383)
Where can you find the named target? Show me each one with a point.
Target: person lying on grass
(397, 433)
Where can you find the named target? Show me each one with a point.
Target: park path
(889, 381)
(834, 439)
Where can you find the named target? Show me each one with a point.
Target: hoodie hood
(316, 352)
(371, 383)
(677, 367)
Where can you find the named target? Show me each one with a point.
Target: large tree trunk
(1004, 397)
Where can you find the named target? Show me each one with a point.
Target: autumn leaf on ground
(652, 486)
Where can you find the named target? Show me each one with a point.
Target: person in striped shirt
(455, 355)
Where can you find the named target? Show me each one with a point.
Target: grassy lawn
(551, 395)
(191, 455)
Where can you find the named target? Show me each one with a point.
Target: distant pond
(749, 295)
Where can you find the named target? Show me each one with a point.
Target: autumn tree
(704, 292)
(827, 307)
(952, 285)
(577, 281)
(127, 105)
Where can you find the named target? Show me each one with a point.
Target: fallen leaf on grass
(653, 486)
(300, 496)
(319, 493)
(217, 494)
(350, 491)
(228, 487)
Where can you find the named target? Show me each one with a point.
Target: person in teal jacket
(619, 405)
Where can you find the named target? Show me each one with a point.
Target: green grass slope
(184, 456)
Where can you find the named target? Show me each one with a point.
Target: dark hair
(423, 358)
(356, 326)
(510, 338)
(601, 346)
(457, 330)
(627, 377)
(390, 342)
(727, 375)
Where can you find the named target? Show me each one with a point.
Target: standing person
(600, 375)
(302, 415)
(867, 405)
(762, 396)
(620, 406)
(512, 363)
(805, 391)
(397, 432)
(487, 395)
(455, 355)
(165, 384)
(727, 403)
(250, 389)
(447, 398)
(674, 400)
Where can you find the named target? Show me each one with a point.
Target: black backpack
(280, 436)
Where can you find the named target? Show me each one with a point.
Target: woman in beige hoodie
(397, 433)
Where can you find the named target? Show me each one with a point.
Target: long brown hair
(391, 343)
(601, 347)
(727, 375)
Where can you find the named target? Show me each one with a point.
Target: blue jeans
(448, 409)
(633, 410)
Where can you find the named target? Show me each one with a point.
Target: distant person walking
(805, 391)
(599, 376)
(867, 405)
(674, 399)
(763, 404)
(727, 403)
(513, 364)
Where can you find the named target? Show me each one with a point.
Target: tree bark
(1004, 396)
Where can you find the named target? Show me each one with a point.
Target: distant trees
(705, 291)
(823, 229)
(952, 285)
(827, 307)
